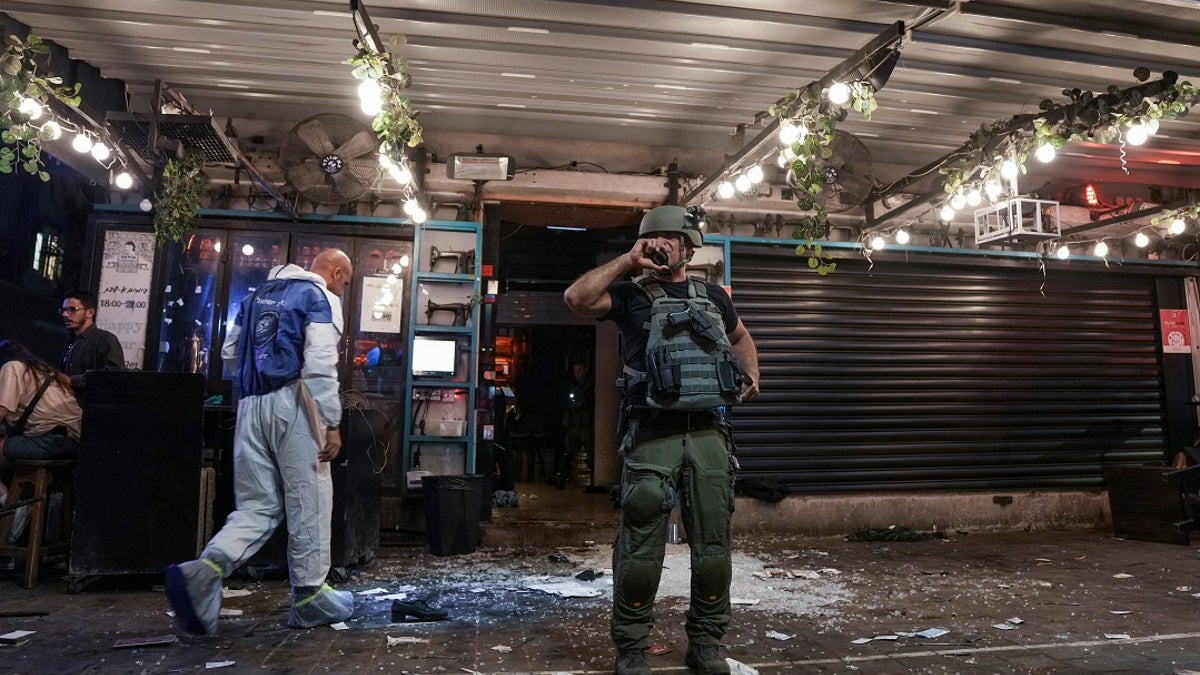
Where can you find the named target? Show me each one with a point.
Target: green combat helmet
(674, 219)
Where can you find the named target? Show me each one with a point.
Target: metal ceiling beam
(887, 39)
(1126, 217)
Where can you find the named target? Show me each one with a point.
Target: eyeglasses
(70, 310)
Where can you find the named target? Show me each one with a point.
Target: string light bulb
(123, 180)
(742, 183)
(974, 197)
(1101, 249)
(30, 108)
(902, 237)
(1177, 226)
(725, 190)
(370, 96)
(100, 152)
(993, 188)
(790, 132)
(1137, 134)
(947, 213)
(1045, 153)
(82, 143)
(958, 201)
(839, 93)
(52, 130)
(1141, 240)
(1009, 170)
(755, 174)
(1063, 252)
(146, 205)
(878, 243)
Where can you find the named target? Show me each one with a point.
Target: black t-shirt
(631, 310)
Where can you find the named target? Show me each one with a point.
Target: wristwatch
(332, 427)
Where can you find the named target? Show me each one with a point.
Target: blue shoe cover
(323, 607)
(194, 590)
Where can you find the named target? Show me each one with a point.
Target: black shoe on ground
(402, 609)
(633, 662)
(706, 659)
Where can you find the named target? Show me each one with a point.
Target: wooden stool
(32, 479)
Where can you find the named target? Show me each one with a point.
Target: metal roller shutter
(941, 376)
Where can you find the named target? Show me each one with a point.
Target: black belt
(679, 420)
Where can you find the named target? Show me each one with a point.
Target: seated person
(91, 348)
(50, 430)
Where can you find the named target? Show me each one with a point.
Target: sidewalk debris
(16, 637)
(566, 588)
(150, 641)
(1116, 636)
(658, 650)
(738, 668)
(235, 592)
(405, 640)
(1122, 575)
(503, 649)
(218, 664)
(776, 635)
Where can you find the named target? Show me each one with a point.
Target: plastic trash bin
(452, 506)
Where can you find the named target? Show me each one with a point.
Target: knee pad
(712, 574)
(645, 500)
(639, 582)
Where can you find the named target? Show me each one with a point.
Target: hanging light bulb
(781, 159)
(403, 262)
(1141, 240)
(789, 132)
(1151, 126)
(410, 206)
(1177, 226)
(385, 160)
(146, 205)
(1101, 249)
(52, 130)
(1063, 252)
(82, 143)
(993, 188)
(216, 244)
(30, 108)
(1045, 153)
(958, 201)
(742, 183)
(947, 213)
(878, 243)
(370, 96)
(1137, 134)
(419, 216)
(839, 93)
(403, 175)
(755, 174)
(248, 250)
(1009, 169)
(902, 237)
(100, 152)
(123, 180)
(974, 197)
(725, 190)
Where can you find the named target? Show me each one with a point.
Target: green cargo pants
(695, 470)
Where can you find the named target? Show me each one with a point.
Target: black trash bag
(766, 489)
(894, 533)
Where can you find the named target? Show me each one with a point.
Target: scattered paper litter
(887, 637)
(776, 635)
(806, 574)
(219, 664)
(341, 625)
(1016, 621)
(228, 611)
(566, 588)
(744, 601)
(1004, 626)
(829, 570)
(15, 635)
(1122, 575)
(738, 668)
(1044, 584)
(860, 641)
(503, 649)
(658, 650)
(1119, 612)
(932, 632)
(1042, 560)
(1116, 636)
(1183, 589)
(235, 592)
(373, 591)
(392, 596)
(405, 639)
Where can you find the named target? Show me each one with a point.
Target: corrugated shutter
(934, 375)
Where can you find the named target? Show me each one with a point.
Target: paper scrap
(829, 570)
(1183, 589)
(1116, 636)
(658, 650)
(776, 635)
(341, 625)
(744, 601)
(373, 591)
(503, 649)
(860, 641)
(405, 639)
(219, 664)
(738, 668)
(1120, 612)
(16, 635)
(1004, 626)
(806, 574)
(235, 592)
(887, 637)
(1122, 575)
(226, 611)
(932, 633)
(1016, 621)
(566, 588)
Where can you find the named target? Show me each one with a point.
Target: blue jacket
(289, 329)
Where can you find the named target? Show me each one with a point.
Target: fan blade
(307, 174)
(366, 171)
(358, 145)
(314, 135)
(348, 185)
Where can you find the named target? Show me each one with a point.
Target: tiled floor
(802, 603)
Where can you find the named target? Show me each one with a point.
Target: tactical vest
(689, 362)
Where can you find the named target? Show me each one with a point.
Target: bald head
(333, 265)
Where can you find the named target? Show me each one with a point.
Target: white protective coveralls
(279, 432)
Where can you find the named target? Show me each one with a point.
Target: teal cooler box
(452, 507)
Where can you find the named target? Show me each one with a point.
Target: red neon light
(1090, 196)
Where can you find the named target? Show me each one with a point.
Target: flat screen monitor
(434, 357)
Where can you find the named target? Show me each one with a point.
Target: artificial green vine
(183, 184)
(396, 124)
(810, 110)
(19, 80)
(1187, 212)
(1087, 117)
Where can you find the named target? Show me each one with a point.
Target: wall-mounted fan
(848, 174)
(330, 158)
